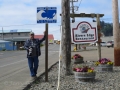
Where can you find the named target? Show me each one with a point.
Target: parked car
(110, 44)
(92, 44)
(103, 44)
(21, 48)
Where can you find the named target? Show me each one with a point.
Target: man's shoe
(34, 77)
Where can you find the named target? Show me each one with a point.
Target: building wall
(11, 36)
(51, 41)
(106, 39)
(7, 46)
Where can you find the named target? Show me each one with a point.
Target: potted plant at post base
(104, 64)
(84, 73)
(77, 59)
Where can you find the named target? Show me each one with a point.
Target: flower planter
(104, 67)
(78, 61)
(84, 76)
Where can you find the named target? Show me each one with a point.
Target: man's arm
(26, 45)
(44, 37)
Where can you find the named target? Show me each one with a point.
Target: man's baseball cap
(31, 33)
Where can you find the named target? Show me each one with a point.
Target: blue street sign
(46, 15)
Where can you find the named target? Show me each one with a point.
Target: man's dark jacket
(27, 45)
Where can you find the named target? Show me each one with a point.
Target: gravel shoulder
(103, 81)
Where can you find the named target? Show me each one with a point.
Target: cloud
(20, 12)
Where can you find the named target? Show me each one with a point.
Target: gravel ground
(103, 81)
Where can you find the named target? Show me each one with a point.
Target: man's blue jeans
(33, 63)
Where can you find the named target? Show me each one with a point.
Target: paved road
(14, 71)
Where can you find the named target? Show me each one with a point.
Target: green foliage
(107, 28)
(3, 49)
(41, 45)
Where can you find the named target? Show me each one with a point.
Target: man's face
(32, 36)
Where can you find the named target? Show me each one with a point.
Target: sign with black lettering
(84, 32)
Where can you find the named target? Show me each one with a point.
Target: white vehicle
(110, 44)
(92, 44)
(103, 44)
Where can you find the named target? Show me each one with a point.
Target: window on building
(26, 34)
(2, 45)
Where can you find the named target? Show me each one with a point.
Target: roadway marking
(11, 74)
(13, 63)
(12, 57)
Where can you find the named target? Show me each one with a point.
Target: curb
(40, 74)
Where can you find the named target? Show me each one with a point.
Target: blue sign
(46, 15)
(13, 30)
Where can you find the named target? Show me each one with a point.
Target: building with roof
(17, 36)
(7, 45)
(50, 38)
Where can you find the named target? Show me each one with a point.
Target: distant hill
(107, 28)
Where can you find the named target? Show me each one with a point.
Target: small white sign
(84, 32)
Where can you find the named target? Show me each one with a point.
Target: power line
(18, 25)
(23, 25)
(80, 3)
(55, 30)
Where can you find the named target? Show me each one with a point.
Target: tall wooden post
(73, 18)
(116, 33)
(46, 53)
(66, 36)
(99, 35)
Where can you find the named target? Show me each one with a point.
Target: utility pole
(73, 18)
(99, 35)
(12, 40)
(2, 34)
(116, 33)
(66, 37)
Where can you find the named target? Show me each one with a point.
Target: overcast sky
(22, 12)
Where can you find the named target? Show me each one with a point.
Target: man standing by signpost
(32, 46)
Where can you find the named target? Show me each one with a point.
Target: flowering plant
(83, 69)
(104, 61)
(76, 56)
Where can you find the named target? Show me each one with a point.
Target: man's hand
(44, 32)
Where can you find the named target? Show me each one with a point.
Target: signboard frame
(47, 12)
(88, 36)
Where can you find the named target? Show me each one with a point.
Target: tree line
(106, 28)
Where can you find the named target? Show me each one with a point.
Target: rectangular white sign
(84, 32)
(46, 14)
